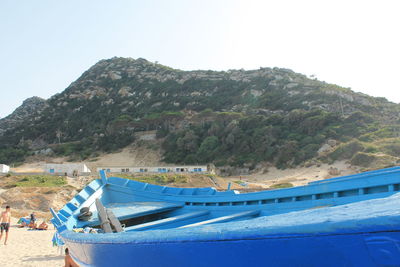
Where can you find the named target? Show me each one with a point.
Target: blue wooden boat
(346, 221)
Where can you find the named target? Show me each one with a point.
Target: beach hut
(4, 168)
(70, 169)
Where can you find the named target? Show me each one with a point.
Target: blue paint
(170, 222)
(345, 221)
(56, 220)
(103, 177)
(130, 210)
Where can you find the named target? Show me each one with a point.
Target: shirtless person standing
(5, 220)
(69, 262)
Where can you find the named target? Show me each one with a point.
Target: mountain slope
(235, 117)
(29, 109)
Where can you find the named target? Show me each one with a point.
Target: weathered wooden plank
(114, 221)
(103, 218)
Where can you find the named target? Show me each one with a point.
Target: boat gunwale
(107, 184)
(257, 196)
(111, 238)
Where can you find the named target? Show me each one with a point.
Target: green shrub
(347, 150)
(157, 179)
(363, 159)
(392, 149)
(123, 118)
(14, 155)
(380, 133)
(281, 185)
(41, 181)
(371, 149)
(240, 182)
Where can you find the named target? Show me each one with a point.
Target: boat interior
(140, 206)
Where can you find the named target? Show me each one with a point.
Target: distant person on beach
(32, 225)
(5, 221)
(69, 262)
(43, 226)
(33, 217)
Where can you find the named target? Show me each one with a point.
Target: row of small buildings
(77, 169)
(70, 169)
(169, 169)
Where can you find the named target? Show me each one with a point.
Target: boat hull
(379, 248)
(347, 221)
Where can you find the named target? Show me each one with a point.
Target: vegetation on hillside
(281, 185)
(38, 181)
(286, 140)
(237, 118)
(157, 179)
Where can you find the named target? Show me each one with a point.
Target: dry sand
(29, 248)
(133, 155)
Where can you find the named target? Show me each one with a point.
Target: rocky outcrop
(29, 111)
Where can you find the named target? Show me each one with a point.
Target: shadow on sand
(44, 258)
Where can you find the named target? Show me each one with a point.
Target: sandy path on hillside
(133, 155)
(297, 176)
(29, 248)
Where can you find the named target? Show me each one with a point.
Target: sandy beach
(29, 248)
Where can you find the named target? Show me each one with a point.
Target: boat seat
(129, 210)
(227, 218)
(167, 221)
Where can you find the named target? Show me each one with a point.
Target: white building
(169, 169)
(4, 168)
(70, 169)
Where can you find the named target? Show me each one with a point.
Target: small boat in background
(345, 221)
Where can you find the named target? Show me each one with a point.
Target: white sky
(45, 45)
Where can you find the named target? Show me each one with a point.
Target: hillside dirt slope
(297, 176)
(137, 154)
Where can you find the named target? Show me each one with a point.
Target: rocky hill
(27, 112)
(229, 118)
